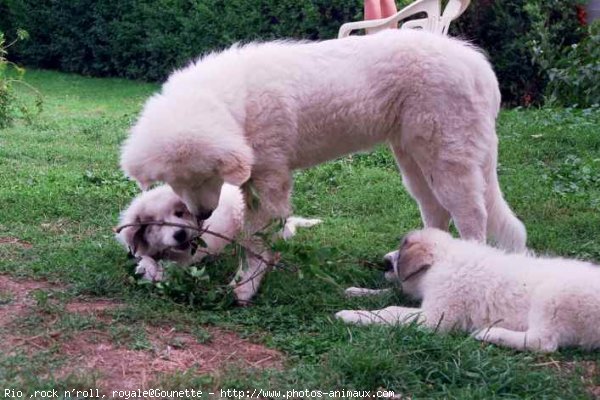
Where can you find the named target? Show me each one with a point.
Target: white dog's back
(379, 71)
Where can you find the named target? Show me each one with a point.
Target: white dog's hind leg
(516, 340)
(387, 316)
(293, 223)
(432, 212)
(364, 292)
(460, 190)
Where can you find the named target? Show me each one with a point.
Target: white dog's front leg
(150, 268)
(248, 278)
(387, 316)
(515, 340)
(267, 197)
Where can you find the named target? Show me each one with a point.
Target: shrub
(147, 39)
(522, 38)
(10, 74)
(574, 80)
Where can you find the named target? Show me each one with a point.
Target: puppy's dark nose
(180, 236)
(204, 215)
(388, 264)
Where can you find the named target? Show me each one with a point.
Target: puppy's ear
(413, 258)
(133, 237)
(235, 167)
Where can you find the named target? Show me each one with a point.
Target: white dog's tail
(503, 227)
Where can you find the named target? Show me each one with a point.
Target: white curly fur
(252, 114)
(514, 300)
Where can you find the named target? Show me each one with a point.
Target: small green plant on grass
(11, 107)
(196, 287)
(574, 176)
(206, 285)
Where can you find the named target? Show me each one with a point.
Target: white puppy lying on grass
(151, 243)
(513, 300)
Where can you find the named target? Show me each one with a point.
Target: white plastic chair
(435, 21)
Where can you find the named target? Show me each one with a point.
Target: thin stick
(202, 231)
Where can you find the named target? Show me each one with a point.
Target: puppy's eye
(179, 214)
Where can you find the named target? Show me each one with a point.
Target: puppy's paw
(483, 335)
(244, 294)
(293, 223)
(363, 292)
(151, 270)
(308, 222)
(349, 316)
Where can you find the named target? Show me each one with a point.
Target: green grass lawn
(61, 191)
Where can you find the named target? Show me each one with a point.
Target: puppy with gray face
(151, 243)
(513, 300)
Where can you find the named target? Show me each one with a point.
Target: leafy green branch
(12, 107)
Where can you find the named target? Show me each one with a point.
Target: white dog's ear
(134, 238)
(235, 167)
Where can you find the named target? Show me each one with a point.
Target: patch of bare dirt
(16, 300)
(15, 241)
(86, 306)
(119, 368)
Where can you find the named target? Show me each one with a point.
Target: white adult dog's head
(418, 252)
(160, 204)
(190, 141)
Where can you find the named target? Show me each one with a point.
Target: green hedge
(512, 33)
(575, 78)
(147, 39)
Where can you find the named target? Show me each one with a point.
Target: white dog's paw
(307, 222)
(151, 270)
(293, 223)
(484, 335)
(244, 294)
(349, 316)
(363, 292)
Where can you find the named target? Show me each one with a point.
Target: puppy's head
(160, 204)
(418, 252)
(190, 142)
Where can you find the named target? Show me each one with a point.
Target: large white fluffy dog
(513, 300)
(152, 243)
(252, 114)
